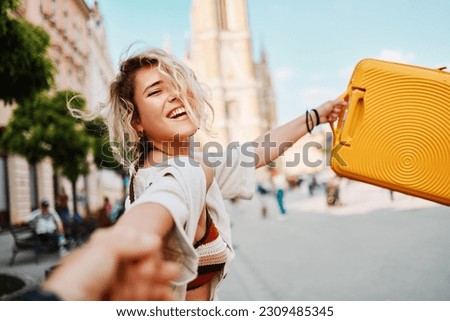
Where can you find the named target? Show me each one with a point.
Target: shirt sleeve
(32, 218)
(184, 202)
(167, 192)
(235, 171)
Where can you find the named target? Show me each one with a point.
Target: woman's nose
(173, 96)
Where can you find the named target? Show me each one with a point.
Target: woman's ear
(137, 125)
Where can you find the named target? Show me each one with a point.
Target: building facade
(79, 51)
(242, 92)
(221, 55)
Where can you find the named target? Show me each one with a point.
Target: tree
(69, 140)
(26, 133)
(42, 127)
(103, 156)
(25, 68)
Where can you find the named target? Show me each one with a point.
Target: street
(370, 248)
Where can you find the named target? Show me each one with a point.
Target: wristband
(307, 122)
(317, 116)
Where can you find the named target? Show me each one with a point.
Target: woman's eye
(153, 93)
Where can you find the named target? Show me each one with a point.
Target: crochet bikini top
(212, 253)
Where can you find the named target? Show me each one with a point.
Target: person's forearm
(273, 143)
(148, 217)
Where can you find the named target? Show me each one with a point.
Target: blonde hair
(120, 113)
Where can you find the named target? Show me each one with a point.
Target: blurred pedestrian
(312, 185)
(49, 229)
(279, 186)
(391, 195)
(104, 214)
(332, 191)
(62, 207)
(263, 192)
(117, 211)
(107, 207)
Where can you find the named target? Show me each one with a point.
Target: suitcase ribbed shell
(395, 132)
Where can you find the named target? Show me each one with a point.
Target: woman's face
(162, 115)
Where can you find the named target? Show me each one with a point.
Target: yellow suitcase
(395, 131)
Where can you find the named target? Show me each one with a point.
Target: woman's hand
(330, 111)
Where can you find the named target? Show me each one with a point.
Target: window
(3, 184)
(33, 187)
(223, 14)
(54, 7)
(4, 205)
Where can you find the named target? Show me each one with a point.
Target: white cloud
(284, 73)
(396, 56)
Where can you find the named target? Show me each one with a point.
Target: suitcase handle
(354, 116)
(354, 110)
(337, 131)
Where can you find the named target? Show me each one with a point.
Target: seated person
(49, 228)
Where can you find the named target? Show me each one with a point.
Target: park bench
(25, 239)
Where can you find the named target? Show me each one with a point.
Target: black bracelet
(307, 122)
(317, 116)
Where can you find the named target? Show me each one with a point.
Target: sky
(312, 46)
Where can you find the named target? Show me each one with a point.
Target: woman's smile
(179, 113)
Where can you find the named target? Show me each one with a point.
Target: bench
(25, 239)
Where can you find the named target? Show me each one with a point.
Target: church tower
(221, 55)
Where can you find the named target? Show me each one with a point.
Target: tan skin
(130, 269)
(155, 100)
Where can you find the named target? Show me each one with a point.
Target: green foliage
(103, 156)
(42, 127)
(25, 68)
(6, 5)
(25, 134)
(70, 143)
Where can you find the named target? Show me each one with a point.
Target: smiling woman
(155, 106)
(161, 108)
(148, 87)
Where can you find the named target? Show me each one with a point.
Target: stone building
(221, 54)
(242, 93)
(222, 57)
(79, 51)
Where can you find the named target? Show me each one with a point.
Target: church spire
(263, 54)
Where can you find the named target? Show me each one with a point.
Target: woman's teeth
(177, 112)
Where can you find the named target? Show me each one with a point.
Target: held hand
(112, 265)
(144, 280)
(330, 111)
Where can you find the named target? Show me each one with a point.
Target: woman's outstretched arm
(272, 144)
